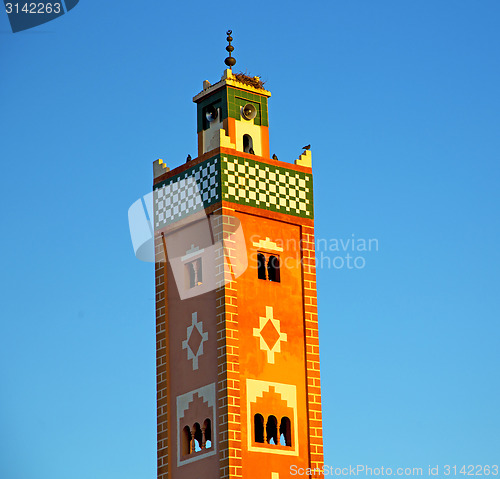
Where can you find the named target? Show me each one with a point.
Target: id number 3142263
(470, 470)
(37, 8)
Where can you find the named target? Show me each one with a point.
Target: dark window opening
(247, 144)
(186, 441)
(207, 434)
(268, 267)
(258, 421)
(272, 430)
(273, 269)
(195, 273)
(285, 432)
(197, 438)
(261, 265)
(274, 435)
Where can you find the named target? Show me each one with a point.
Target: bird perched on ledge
(188, 158)
(307, 147)
(275, 157)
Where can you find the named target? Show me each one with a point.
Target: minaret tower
(238, 381)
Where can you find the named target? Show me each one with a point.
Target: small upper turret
(232, 113)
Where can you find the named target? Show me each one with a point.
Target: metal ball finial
(230, 61)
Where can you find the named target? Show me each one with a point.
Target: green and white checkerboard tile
(187, 193)
(266, 186)
(244, 181)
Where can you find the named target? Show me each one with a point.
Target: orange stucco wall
(286, 299)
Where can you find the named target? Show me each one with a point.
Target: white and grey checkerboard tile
(187, 193)
(266, 186)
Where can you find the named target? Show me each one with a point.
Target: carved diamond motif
(270, 335)
(194, 340)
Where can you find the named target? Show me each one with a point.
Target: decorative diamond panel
(266, 186)
(270, 334)
(186, 193)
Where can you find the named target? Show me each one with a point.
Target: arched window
(247, 144)
(192, 275)
(273, 269)
(199, 272)
(186, 441)
(261, 266)
(258, 426)
(272, 430)
(198, 438)
(285, 432)
(207, 432)
(268, 267)
(195, 273)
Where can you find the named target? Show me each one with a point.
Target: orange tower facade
(238, 380)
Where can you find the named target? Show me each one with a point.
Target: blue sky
(400, 103)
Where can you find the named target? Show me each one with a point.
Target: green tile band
(188, 192)
(269, 187)
(230, 100)
(238, 180)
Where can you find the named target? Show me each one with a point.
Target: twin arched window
(268, 267)
(196, 438)
(270, 433)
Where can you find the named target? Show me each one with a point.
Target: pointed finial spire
(230, 61)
